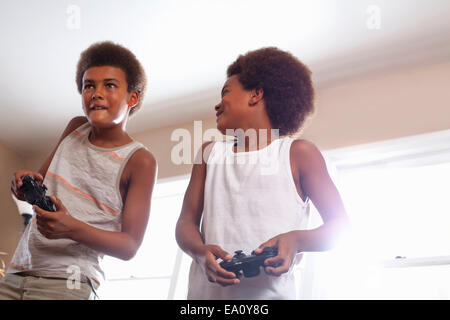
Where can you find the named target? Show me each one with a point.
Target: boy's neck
(254, 139)
(258, 134)
(112, 137)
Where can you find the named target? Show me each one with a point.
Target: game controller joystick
(249, 265)
(35, 194)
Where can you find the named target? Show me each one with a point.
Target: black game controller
(35, 194)
(248, 264)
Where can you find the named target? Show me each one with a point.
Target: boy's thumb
(39, 176)
(269, 243)
(58, 204)
(222, 254)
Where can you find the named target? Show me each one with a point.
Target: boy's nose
(217, 107)
(97, 95)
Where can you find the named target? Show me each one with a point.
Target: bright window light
(396, 195)
(154, 273)
(400, 211)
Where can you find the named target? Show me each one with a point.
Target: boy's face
(106, 100)
(233, 111)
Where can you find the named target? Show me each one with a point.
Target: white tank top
(86, 178)
(249, 198)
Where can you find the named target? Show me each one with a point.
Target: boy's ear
(133, 99)
(256, 95)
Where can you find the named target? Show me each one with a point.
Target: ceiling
(186, 46)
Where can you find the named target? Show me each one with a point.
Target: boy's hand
(287, 249)
(55, 225)
(16, 182)
(215, 273)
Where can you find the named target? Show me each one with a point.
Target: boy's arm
(123, 244)
(16, 182)
(187, 230)
(318, 186)
(71, 126)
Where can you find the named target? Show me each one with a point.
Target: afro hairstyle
(286, 82)
(108, 53)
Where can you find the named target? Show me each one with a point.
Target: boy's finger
(37, 210)
(56, 202)
(226, 274)
(227, 282)
(214, 266)
(270, 243)
(40, 213)
(274, 261)
(17, 193)
(13, 183)
(218, 270)
(18, 176)
(17, 180)
(223, 281)
(277, 271)
(38, 176)
(220, 253)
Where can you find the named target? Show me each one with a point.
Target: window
(159, 269)
(396, 195)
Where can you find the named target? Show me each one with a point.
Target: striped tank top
(86, 178)
(249, 198)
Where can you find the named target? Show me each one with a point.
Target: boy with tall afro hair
(233, 202)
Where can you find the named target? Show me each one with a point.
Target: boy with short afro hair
(100, 181)
(234, 203)
(109, 54)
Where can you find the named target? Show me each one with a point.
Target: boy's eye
(111, 85)
(88, 86)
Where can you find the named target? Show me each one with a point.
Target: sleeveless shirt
(86, 178)
(249, 198)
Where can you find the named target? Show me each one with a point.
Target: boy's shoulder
(142, 159)
(76, 122)
(141, 166)
(304, 152)
(73, 124)
(303, 146)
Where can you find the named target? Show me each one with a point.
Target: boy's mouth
(97, 107)
(218, 113)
